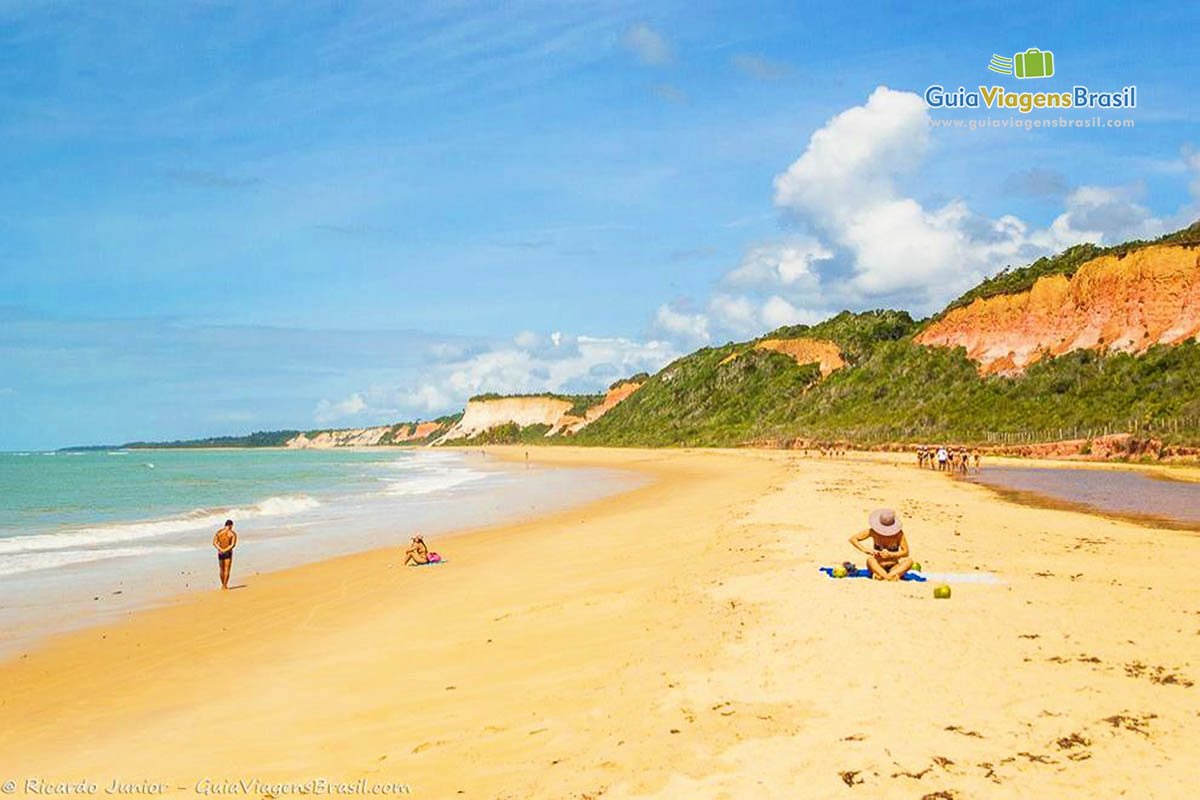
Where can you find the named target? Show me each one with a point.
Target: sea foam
(201, 519)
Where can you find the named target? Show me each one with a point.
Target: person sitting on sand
(887, 558)
(418, 553)
(225, 540)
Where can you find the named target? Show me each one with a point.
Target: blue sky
(219, 217)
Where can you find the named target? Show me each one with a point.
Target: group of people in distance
(948, 459)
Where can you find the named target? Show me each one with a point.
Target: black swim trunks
(228, 554)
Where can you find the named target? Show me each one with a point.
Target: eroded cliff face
(485, 414)
(350, 437)
(1151, 296)
(408, 433)
(571, 424)
(825, 354)
(366, 437)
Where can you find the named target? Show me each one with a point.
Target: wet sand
(675, 641)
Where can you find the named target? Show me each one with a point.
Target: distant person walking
(942, 458)
(225, 540)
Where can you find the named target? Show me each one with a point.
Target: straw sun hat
(885, 522)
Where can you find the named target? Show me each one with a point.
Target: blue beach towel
(866, 573)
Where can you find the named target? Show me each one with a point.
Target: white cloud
(844, 185)
(1107, 215)
(328, 411)
(532, 362)
(425, 399)
(869, 245)
(681, 326)
(550, 346)
(777, 312)
(853, 159)
(745, 316)
(737, 314)
(789, 263)
(647, 44)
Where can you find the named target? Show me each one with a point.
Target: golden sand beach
(676, 641)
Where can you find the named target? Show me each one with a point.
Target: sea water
(89, 535)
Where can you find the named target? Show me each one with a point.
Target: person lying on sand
(225, 540)
(887, 558)
(418, 553)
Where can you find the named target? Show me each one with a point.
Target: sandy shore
(676, 641)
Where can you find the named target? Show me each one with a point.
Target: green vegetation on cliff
(908, 392)
(706, 399)
(893, 389)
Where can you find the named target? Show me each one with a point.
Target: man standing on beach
(225, 540)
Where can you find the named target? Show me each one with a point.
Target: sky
(219, 217)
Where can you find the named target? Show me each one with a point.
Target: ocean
(89, 535)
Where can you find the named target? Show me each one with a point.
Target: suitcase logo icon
(1033, 63)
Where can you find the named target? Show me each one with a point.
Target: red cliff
(1150, 296)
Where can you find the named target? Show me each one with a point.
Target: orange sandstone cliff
(615, 395)
(364, 437)
(825, 354)
(485, 413)
(349, 437)
(1150, 296)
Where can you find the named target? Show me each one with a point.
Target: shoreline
(673, 640)
(91, 591)
(183, 598)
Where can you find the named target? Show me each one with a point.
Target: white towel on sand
(961, 577)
